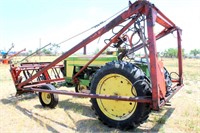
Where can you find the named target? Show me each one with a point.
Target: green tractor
(114, 75)
(73, 64)
(122, 88)
(107, 75)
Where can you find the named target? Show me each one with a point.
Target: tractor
(8, 60)
(74, 63)
(5, 54)
(123, 88)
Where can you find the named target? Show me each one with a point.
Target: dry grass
(25, 114)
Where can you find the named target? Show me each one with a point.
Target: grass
(25, 114)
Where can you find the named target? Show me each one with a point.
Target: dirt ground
(25, 113)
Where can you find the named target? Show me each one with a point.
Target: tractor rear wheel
(48, 99)
(121, 79)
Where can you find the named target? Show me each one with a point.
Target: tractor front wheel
(120, 79)
(48, 99)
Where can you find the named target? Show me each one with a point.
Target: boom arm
(16, 54)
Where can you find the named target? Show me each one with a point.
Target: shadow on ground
(14, 99)
(91, 124)
(158, 123)
(33, 116)
(79, 108)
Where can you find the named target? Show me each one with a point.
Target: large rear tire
(121, 79)
(48, 99)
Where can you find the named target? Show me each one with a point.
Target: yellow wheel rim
(46, 97)
(118, 85)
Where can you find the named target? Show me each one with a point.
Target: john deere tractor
(73, 65)
(123, 89)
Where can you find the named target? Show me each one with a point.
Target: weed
(159, 120)
(162, 120)
(186, 113)
(189, 91)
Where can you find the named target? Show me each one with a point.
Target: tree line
(172, 52)
(169, 53)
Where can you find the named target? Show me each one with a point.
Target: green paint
(84, 82)
(88, 58)
(144, 68)
(74, 63)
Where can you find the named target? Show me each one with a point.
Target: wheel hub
(46, 97)
(116, 85)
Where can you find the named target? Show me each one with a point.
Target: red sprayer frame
(140, 7)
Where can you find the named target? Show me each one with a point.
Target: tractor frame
(38, 74)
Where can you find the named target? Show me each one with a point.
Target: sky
(33, 23)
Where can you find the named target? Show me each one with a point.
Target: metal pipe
(34, 52)
(121, 98)
(153, 58)
(180, 64)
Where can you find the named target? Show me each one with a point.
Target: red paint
(153, 16)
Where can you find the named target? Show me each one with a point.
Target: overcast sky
(25, 22)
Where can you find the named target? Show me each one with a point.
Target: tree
(195, 52)
(171, 52)
(47, 51)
